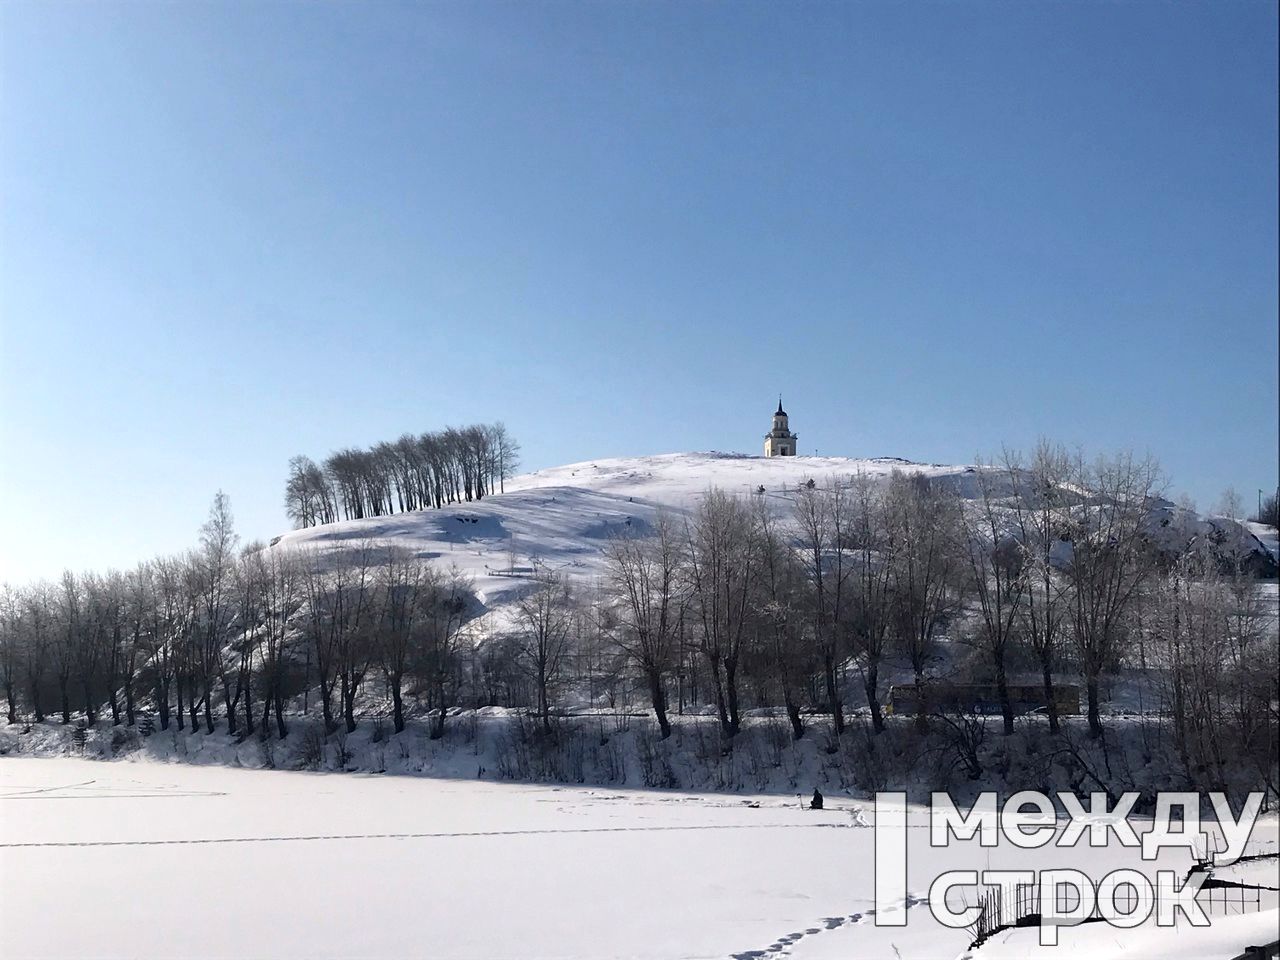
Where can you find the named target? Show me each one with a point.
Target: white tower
(780, 441)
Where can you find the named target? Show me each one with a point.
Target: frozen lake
(149, 859)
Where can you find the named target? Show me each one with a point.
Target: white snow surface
(560, 518)
(145, 859)
(1267, 535)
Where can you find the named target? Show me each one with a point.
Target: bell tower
(780, 441)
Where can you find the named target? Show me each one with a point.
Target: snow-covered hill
(560, 518)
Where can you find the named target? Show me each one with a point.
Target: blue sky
(235, 232)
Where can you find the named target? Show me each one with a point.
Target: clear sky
(234, 232)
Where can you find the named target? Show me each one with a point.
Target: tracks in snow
(423, 836)
(782, 946)
(102, 793)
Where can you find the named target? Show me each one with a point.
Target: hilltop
(561, 517)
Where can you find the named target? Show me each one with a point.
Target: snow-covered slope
(680, 478)
(561, 518)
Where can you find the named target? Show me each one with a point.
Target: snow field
(152, 859)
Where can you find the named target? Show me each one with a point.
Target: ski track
(782, 946)
(20, 794)
(423, 836)
(103, 792)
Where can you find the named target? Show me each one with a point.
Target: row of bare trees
(1211, 638)
(412, 473)
(1052, 564)
(1050, 567)
(224, 635)
(784, 606)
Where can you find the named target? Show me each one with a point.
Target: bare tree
(822, 515)
(506, 454)
(1040, 506)
(10, 647)
(359, 622)
(309, 498)
(213, 570)
(1269, 510)
(137, 601)
(243, 652)
(323, 613)
(445, 611)
(276, 576)
(405, 582)
(872, 556)
(412, 473)
(998, 578)
(787, 654)
(721, 567)
(927, 586)
(38, 638)
(1230, 504)
(644, 579)
(1108, 563)
(544, 617)
(105, 601)
(170, 615)
(341, 621)
(69, 644)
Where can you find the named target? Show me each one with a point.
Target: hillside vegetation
(728, 590)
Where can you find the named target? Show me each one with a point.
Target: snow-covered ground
(561, 518)
(151, 859)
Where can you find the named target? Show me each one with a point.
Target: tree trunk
(281, 729)
(326, 706)
(1095, 717)
(871, 680)
(922, 712)
(208, 708)
(162, 703)
(833, 693)
(129, 717)
(1050, 700)
(437, 728)
(1002, 691)
(731, 688)
(193, 706)
(231, 703)
(793, 714)
(544, 704)
(181, 720)
(397, 704)
(349, 704)
(659, 699)
(714, 662)
(36, 706)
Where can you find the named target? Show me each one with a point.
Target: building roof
(781, 412)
